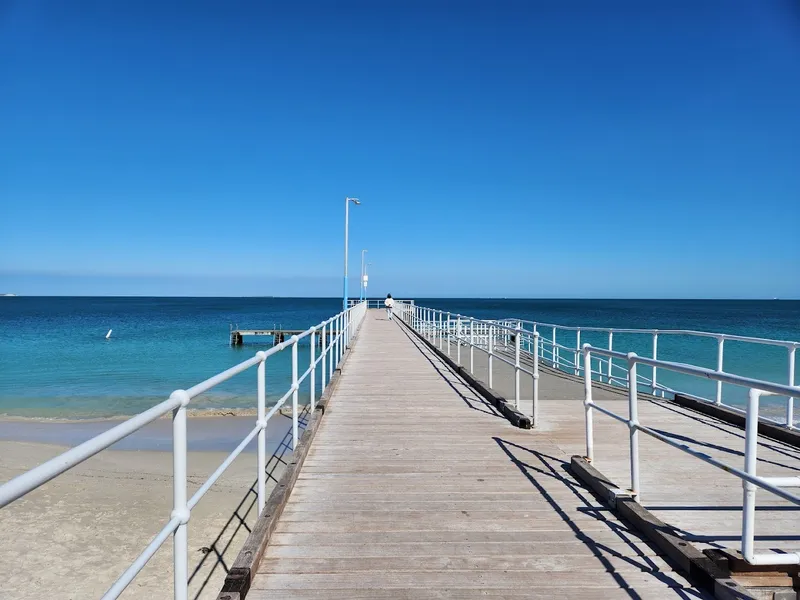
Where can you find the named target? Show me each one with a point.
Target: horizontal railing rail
(336, 334)
(750, 479)
(566, 357)
(505, 340)
(558, 360)
(377, 303)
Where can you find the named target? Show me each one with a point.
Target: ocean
(55, 362)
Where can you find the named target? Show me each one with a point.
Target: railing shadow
(448, 374)
(221, 551)
(600, 551)
(694, 441)
(728, 428)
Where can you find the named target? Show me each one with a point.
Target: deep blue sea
(55, 361)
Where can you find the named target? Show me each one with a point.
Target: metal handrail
(555, 353)
(440, 328)
(344, 326)
(691, 332)
(751, 481)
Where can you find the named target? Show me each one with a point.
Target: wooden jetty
(278, 335)
(408, 483)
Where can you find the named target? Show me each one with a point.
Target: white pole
(577, 352)
(341, 339)
(180, 509)
(346, 226)
(294, 392)
(587, 401)
(262, 433)
(458, 340)
(535, 377)
(655, 357)
(610, 360)
(329, 350)
(633, 425)
(448, 334)
(517, 336)
(555, 350)
(322, 348)
(490, 342)
(313, 338)
(471, 347)
(750, 462)
(790, 399)
(720, 346)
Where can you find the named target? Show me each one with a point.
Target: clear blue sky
(534, 148)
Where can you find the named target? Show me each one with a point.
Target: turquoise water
(773, 319)
(56, 362)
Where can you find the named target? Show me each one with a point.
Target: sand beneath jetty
(73, 537)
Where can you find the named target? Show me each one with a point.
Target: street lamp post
(347, 202)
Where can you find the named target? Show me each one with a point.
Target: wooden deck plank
(417, 486)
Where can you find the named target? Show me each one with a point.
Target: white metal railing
(496, 337)
(452, 326)
(373, 303)
(558, 356)
(336, 334)
(498, 340)
(750, 479)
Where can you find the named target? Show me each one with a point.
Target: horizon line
(400, 297)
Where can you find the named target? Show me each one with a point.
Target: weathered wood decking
(416, 488)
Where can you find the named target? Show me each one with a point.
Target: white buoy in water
(108, 335)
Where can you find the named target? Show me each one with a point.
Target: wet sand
(72, 537)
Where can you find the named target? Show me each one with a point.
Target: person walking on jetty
(389, 304)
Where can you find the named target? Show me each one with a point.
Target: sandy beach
(73, 537)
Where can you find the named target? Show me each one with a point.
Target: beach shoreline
(205, 433)
(72, 537)
(209, 430)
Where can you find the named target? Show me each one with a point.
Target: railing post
(750, 462)
(720, 347)
(555, 350)
(587, 401)
(262, 431)
(577, 352)
(610, 360)
(535, 410)
(790, 399)
(490, 342)
(322, 349)
(341, 339)
(335, 342)
(180, 508)
(294, 392)
(441, 330)
(517, 339)
(313, 365)
(330, 350)
(448, 334)
(458, 340)
(471, 347)
(655, 357)
(633, 425)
